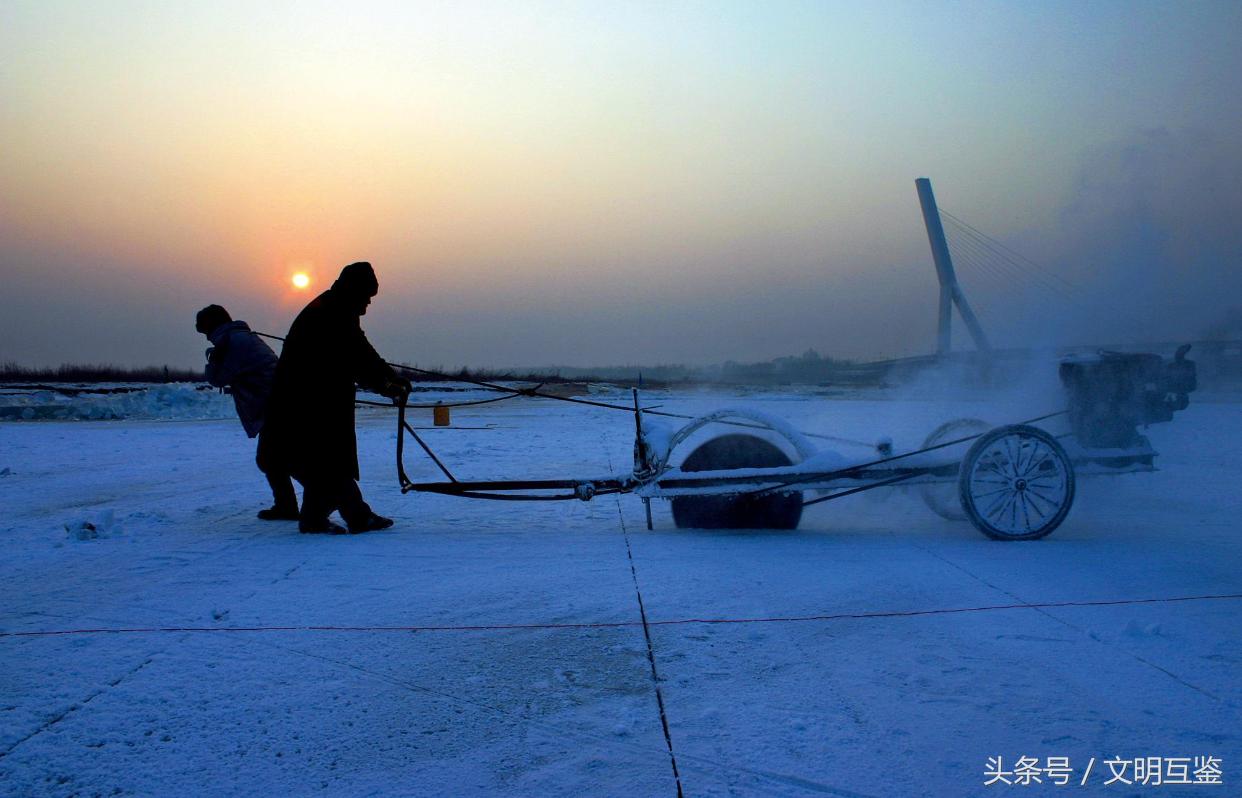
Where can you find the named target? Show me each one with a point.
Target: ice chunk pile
(165, 402)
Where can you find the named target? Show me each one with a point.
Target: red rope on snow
(619, 624)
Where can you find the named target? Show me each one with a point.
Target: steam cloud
(1153, 238)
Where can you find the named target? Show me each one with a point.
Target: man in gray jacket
(241, 361)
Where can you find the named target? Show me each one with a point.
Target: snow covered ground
(887, 704)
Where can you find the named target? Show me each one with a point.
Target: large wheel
(942, 497)
(1016, 483)
(766, 511)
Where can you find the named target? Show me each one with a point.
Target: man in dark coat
(240, 360)
(312, 410)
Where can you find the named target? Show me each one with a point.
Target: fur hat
(358, 278)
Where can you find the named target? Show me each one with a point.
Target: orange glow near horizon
(599, 182)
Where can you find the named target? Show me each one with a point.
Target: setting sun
(301, 280)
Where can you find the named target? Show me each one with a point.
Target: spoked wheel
(1016, 483)
(766, 511)
(941, 497)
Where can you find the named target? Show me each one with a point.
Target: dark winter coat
(311, 416)
(241, 360)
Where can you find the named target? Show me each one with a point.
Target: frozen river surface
(263, 662)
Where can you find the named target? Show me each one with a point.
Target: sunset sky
(598, 183)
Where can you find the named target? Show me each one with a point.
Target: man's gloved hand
(397, 387)
(210, 349)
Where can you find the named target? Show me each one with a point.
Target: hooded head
(357, 284)
(211, 317)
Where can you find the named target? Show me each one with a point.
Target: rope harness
(535, 392)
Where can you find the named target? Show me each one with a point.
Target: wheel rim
(1019, 485)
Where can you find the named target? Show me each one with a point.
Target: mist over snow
(1147, 247)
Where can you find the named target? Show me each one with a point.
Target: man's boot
(371, 524)
(278, 513)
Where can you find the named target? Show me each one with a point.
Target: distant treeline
(1218, 361)
(809, 368)
(85, 373)
(490, 375)
(71, 372)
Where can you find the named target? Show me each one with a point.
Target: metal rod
(805, 479)
(860, 489)
(402, 479)
(640, 449)
(430, 406)
(430, 453)
(520, 484)
(506, 497)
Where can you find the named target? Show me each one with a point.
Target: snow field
(908, 705)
